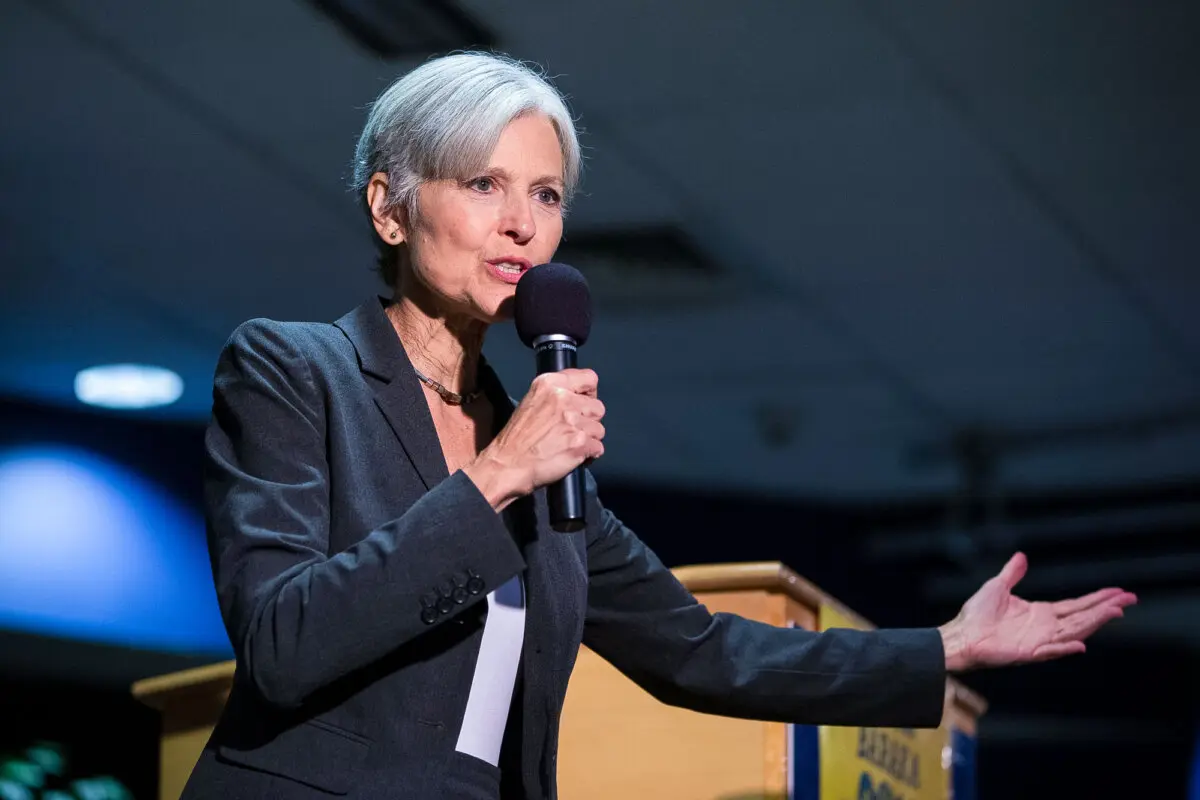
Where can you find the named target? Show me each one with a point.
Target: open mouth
(508, 270)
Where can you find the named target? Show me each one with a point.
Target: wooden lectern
(616, 740)
(190, 703)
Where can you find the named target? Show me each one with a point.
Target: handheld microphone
(553, 315)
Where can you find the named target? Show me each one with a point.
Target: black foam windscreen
(553, 299)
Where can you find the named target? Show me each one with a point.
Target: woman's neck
(443, 347)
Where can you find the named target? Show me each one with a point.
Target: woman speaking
(404, 619)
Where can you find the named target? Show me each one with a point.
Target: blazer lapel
(397, 389)
(536, 693)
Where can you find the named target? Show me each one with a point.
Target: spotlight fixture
(128, 386)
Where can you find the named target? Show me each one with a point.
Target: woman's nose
(518, 222)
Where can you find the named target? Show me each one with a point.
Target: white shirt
(495, 673)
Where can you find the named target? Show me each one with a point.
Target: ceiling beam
(1074, 527)
(1082, 575)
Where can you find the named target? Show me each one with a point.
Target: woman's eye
(483, 184)
(548, 196)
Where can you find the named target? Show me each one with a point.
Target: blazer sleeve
(298, 617)
(643, 621)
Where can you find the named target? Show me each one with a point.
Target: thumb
(1014, 570)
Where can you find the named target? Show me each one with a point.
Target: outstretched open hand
(997, 628)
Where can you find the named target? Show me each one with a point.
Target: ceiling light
(128, 386)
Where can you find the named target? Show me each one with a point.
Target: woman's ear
(388, 223)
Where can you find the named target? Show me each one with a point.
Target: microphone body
(553, 313)
(565, 497)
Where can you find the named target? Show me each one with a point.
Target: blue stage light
(90, 550)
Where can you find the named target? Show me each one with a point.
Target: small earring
(395, 234)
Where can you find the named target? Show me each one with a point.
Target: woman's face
(470, 242)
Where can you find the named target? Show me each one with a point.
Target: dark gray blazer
(351, 572)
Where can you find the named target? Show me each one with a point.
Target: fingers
(555, 428)
(1014, 570)
(576, 381)
(1046, 652)
(587, 441)
(1065, 608)
(585, 418)
(1083, 624)
(585, 434)
(590, 407)
(576, 391)
(591, 428)
(569, 384)
(1073, 621)
(585, 446)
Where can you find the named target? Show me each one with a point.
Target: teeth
(508, 268)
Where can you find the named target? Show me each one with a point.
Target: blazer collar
(398, 392)
(380, 353)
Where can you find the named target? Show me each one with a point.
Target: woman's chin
(503, 312)
(497, 306)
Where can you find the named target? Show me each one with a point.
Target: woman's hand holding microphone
(554, 429)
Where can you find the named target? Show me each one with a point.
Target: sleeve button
(429, 615)
(460, 595)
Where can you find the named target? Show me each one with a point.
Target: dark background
(926, 274)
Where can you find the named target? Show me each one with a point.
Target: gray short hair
(443, 119)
